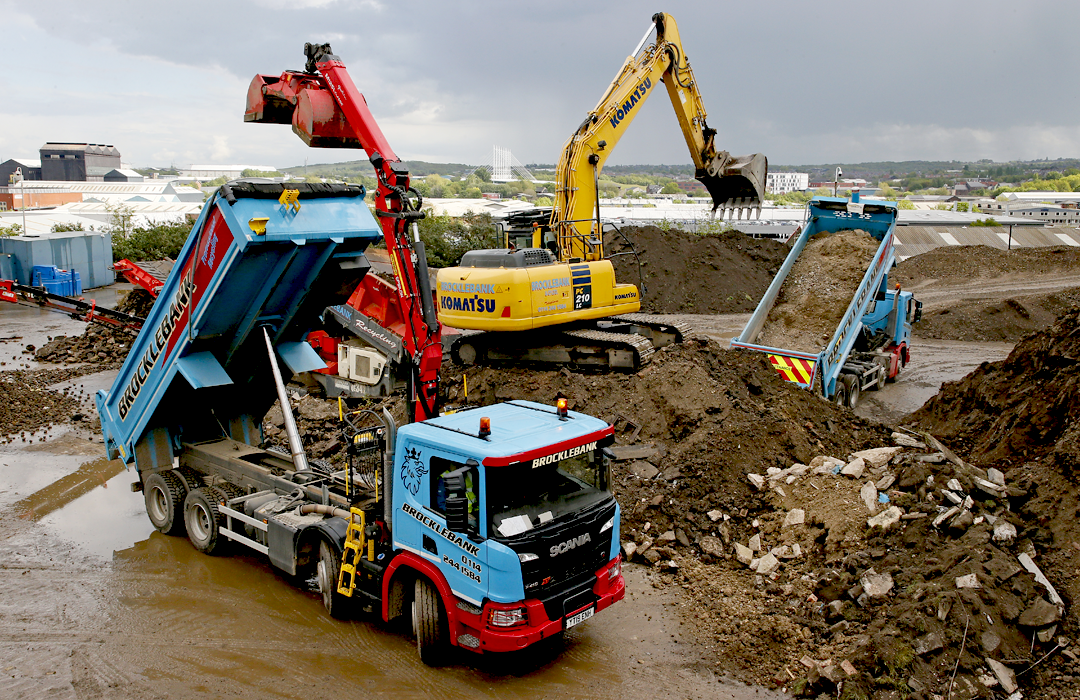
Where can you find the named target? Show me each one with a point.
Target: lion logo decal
(412, 469)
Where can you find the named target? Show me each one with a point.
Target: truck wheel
(204, 520)
(164, 495)
(853, 392)
(326, 572)
(882, 378)
(840, 397)
(432, 629)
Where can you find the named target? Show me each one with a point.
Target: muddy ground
(743, 566)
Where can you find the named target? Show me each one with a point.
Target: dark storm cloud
(800, 82)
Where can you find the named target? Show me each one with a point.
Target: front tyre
(432, 629)
(326, 572)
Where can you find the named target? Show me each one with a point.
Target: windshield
(522, 497)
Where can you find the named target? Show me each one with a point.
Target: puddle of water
(94, 509)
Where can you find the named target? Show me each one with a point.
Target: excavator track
(578, 348)
(659, 331)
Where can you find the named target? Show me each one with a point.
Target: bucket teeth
(737, 208)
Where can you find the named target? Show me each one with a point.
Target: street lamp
(17, 178)
(836, 181)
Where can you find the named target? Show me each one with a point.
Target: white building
(782, 183)
(212, 172)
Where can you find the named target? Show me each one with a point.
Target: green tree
(905, 204)
(473, 193)
(447, 238)
(77, 226)
(152, 242)
(252, 172)
(13, 230)
(670, 188)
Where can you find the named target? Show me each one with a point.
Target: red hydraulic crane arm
(327, 111)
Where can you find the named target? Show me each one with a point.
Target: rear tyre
(853, 392)
(432, 629)
(882, 378)
(204, 521)
(840, 398)
(164, 494)
(326, 572)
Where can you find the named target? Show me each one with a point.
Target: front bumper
(538, 625)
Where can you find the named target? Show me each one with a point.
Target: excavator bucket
(736, 183)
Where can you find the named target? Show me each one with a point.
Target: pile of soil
(817, 291)
(1020, 416)
(29, 405)
(961, 264)
(105, 346)
(995, 320)
(689, 273)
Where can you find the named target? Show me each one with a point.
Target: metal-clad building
(31, 169)
(87, 252)
(79, 162)
(914, 240)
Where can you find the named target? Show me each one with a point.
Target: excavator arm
(736, 183)
(327, 111)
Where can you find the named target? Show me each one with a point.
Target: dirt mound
(817, 291)
(1019, 409)
(28, 404)
(959, 264)
(106, 346)
(1020, 415)
(689, 273)
(993, 320)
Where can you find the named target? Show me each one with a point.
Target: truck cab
(512, 505)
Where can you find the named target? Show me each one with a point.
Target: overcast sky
(802, 82)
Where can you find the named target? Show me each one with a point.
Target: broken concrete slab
(1027, 563)
(1004, 531)
(825, 461)
(715, 515)
(666, 537)
(990, 641)
(768, 564)
(628, 549)
(876, 585)
(968, 581)
(1040, 614)
(932, 458)
(886, 518)
(945, 515)
(878, 456)
(868, 494)
(854, 468)
(757, 480)
(796, 516)
(995, 476)
(928, 643)
(905, 440)
(755, 543)
(1047, 634)
(885, 482)
(1004, 675)
(742, 553)
(625, 453)
(642, 469)
(711, 545)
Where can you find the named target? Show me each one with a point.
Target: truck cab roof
(520, 431)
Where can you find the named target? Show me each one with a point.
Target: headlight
(614, 570)
(526, 556)
(608, 525)
(501, 617)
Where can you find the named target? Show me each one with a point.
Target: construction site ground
(95, 604)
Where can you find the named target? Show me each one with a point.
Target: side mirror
(457, 514)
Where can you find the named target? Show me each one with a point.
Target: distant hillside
(358, 168)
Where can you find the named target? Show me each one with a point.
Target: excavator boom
(327, 111)
(736, 183)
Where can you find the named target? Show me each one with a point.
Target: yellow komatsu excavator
(553, 298)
